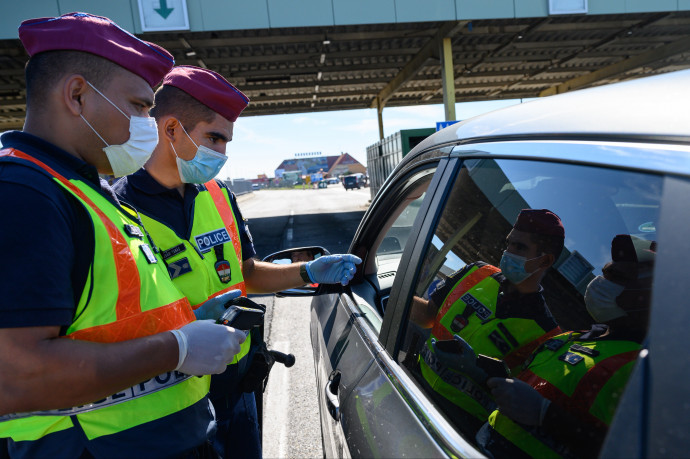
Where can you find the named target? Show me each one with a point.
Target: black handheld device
(241, 318)
(451, 346)
(493, 367)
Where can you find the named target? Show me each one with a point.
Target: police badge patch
(223, 270)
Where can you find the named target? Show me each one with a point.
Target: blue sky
(260, 143)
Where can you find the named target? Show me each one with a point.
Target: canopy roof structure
(306, 69)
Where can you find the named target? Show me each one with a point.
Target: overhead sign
(567, 6)
(163, 15)
(444, 124)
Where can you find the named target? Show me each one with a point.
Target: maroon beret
(631, 249)
(539, 221)
(100, 36)
(209, 88)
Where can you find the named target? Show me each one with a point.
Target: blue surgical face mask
(513, 267)
(203, 167)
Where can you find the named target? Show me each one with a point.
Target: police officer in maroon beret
(498, 312)
(204, 239)
(99, 348)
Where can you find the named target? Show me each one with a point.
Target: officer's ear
(546, 260)
(171, 128)
(74, 89)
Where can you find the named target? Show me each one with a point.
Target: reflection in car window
(540, 272)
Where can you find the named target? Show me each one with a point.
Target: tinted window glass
(501, 290)
(390, 238)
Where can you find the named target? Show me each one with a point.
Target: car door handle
(331, 390)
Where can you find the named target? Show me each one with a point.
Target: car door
(360, 405)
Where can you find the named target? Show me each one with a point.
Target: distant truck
(354, 181)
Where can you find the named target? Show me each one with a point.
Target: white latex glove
(518, 400)
(206, 347)
(333, 269)
(215, 307)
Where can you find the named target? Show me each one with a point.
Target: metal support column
(379, 112)
(448, 78)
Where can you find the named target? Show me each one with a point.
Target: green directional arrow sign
(164, 11)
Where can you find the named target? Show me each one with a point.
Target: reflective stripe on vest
(131, 298)
(589, 389)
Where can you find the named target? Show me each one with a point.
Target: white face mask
(203, 167)
(600, 299)
(133, 154)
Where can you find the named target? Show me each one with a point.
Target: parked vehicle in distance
(352, 181)
(611, 160)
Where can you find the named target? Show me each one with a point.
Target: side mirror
(298, 255)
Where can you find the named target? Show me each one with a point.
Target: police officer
(98, 345)
(500, 313)
(195, 220)
(565, 399)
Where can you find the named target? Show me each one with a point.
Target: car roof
(652, 108)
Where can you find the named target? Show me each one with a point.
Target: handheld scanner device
(242, 317)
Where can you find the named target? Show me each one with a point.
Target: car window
(526, 259)
(391, 235)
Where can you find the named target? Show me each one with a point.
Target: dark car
(612, 160)
(353, 181)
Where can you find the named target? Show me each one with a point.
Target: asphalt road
(297, 218)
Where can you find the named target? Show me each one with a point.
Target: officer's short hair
(171, 101)
(45, 69)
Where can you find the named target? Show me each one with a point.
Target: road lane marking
(276, 407)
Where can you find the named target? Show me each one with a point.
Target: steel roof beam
(646, 58)
(429, 50)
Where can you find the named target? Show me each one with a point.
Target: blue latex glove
(215, 307)
(519, 401)
(332, 269)
(461, 359)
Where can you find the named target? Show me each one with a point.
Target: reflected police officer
(498, 312)
(562, 403)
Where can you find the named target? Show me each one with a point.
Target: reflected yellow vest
(193, 264)
(587, 384)
(126, 296)
(506, 338)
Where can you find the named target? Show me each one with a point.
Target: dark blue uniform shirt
(46, 237)
(47, 244)
(167, 206)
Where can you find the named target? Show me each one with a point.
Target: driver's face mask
(133, 154)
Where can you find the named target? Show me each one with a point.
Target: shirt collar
(144, 182)
(50, 154)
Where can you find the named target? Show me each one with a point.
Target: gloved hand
(331, 269)
(459, 356)
(519, 401)
(215, 307)
(206, 347)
